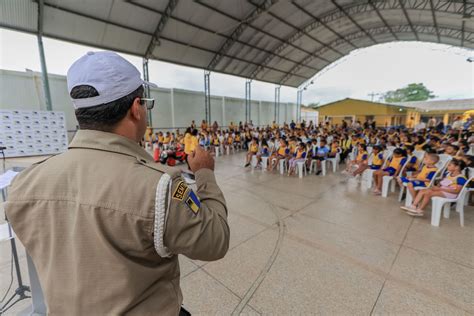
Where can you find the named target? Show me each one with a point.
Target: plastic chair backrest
(465, 186)
(371, 157)
(404, 165)
(444, 158)
(470, 172)
(387, 154)
(369, 149)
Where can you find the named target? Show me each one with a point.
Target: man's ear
(135, 110)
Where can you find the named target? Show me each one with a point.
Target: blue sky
(379, 68)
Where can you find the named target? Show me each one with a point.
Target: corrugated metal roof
(283, 42)
(440, 105)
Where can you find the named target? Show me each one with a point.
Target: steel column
(44, 70)
(276, 116)
(207, 96)
(248, 100)
(146, 77)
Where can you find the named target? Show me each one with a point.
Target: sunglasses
(149, 103)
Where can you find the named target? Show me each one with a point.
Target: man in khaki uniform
(102, 222)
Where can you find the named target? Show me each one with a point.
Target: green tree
(412, 92)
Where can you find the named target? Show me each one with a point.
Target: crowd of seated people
(410, 157)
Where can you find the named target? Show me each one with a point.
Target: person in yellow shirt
(149, 137)
(161, 138)
(253, 150)
(283, 152)
(167, 139)
(187, 141)
(194, 140)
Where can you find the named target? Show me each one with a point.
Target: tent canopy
(282, 42)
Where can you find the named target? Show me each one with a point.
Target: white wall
(174, 108)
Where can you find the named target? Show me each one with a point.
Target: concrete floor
(323, 245)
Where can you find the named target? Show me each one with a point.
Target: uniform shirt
(187, 143)
(454, 181)
(426, 174)
(362, 156)
(166, 140)
(414, 163)
(104, 225)
(334, 148)
(320, 151)
(300, 154)
(283, 151)
(397, 162)
(377, 160)
(194, 143)
(253, 148)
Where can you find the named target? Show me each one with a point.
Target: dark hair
(399, 151)
(103, 117)
(458, 163)
(410, 148)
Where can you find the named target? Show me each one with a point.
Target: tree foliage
(412, 92)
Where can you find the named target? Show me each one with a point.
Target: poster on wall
(32, 133)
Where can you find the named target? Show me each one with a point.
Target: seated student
(422, 178)
(396, 162)
(451, 150)
(214, 141)
(449, 187)
(237, 140)
(253, 150)
(361, 158)
(320, 153)
(298, 156)
(335, 149)
(264, 151)
(166, 140)
(377, 161)
(282, 153)
(413, 163)
(229, 141)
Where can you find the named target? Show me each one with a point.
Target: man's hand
(200, 159)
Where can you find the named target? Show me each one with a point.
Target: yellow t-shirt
(187, 143)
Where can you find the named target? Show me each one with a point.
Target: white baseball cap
(110, 74)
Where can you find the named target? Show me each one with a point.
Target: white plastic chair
(439, 202)
(335, 161)
(389, 181)
(254, 161)
(314, 166)
(301, 168)
(217, 151)
(264, 163)
(409, 197)
(283, 166)
(368, 175)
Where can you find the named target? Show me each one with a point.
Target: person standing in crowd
(108, 222)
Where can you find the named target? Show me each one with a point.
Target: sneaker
(247, 165)
(407, 208)
(417, 213)
(318, 172)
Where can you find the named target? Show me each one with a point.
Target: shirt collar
(110, 142)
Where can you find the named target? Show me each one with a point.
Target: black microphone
(3, 148)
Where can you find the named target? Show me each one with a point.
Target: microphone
(3, 148)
